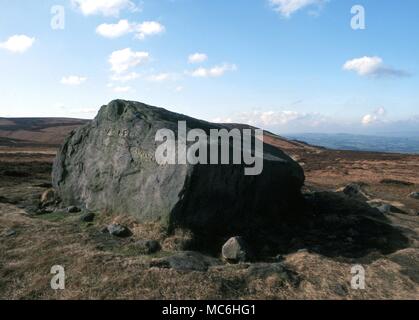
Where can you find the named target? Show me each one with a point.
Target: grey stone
(109, 165)
(118, 231)
(235, 250)
(73, 209)
(48, 197)
(414, 195)
(185, 261)
(354, 190)
(148, 246)
(87, 217)
(9, 233)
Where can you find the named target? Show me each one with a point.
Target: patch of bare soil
(312, 265)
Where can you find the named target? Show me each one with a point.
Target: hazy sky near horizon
(284, 65)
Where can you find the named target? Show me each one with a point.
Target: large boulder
(109, 165)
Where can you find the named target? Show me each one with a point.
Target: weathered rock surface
(118, 231)
(235, 250)
(109, 165)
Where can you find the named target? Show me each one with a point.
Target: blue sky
(285, 65)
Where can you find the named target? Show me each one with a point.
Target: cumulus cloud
(104, 7)
(73, 80)
(123, 27)
(197, 58)
(377, 116)
(17, 43)
(372, 66)
(122, 60)
(287, 7)
(216, 71)
(148, 28)
(114, 30)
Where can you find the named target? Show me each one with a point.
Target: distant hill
(394, 144)
(20, 132)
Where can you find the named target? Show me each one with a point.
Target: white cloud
(122, 89)
(114, 30)
(197, 58)
(148, 28)
(123, 27)
(179, 89)
(73, 80)
(216, 71)
(104, 7)
(18, 43)
(125, 77)
(372, 66)
(123, 60)
(375, 117)
(288, 7)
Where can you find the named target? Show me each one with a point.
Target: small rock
(9, 233)
(148, 246)
(73, 209)
(104, 230)
(235, 250)
(118, 231)
(354, 190)
(414, 195)
(340, 290)
(384, 208)
(48, 197)
(87, 217)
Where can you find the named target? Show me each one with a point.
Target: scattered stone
(354, 190)
(48, 197)
(340, 290)
(414, 195)
(185, 261)
(148, 246)
(384, 208)
(9, 233)
(87, 217)
(119, 231)
(73, 209)
(235, 250)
